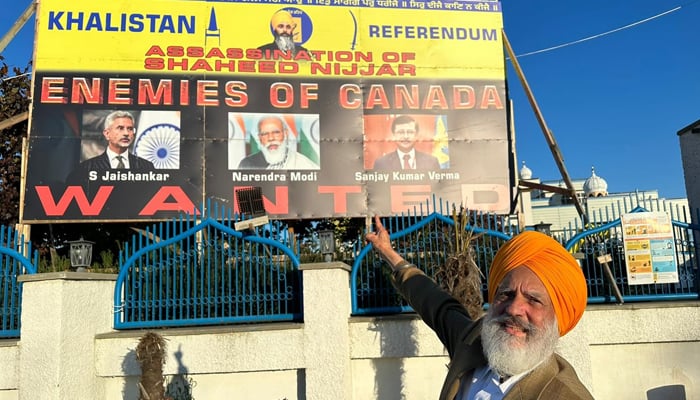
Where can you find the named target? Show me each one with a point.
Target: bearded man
(536, 292)
(277, 150)
(282, 25)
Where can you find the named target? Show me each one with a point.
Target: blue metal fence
(425, 241)
(13, 263)
(201, 271)
(607, 239)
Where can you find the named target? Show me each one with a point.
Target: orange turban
(555, 267)
(282, 17)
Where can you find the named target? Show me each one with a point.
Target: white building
(601, 206)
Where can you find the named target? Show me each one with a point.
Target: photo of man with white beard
(283, 28)
(277, 149)
(536, 293)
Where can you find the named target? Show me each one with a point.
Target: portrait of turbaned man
(290, 27)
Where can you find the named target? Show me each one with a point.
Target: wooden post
(17, 26)
(553, 147)
(604, 260)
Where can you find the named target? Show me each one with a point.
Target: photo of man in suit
(404, 133)
(277, 149)
(283, 29)
(119, 130)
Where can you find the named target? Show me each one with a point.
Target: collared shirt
(412, 158)
(113, 161)
(485, 384)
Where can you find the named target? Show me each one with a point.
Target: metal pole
(545, 129)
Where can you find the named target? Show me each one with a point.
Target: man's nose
(516, 305)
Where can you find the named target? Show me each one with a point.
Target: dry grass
(461, 276)
(150, 353)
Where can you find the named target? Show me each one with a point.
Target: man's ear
(105, 134)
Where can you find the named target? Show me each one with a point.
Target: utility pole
(3, 43)
(17, 26)
(553, 147)
(23, 229)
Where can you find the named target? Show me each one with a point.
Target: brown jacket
(554, 379)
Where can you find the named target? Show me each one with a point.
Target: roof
(692, 128)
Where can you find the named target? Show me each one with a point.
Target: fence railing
(201, 271)
(426, 242)
(607, 239)
(13, 263)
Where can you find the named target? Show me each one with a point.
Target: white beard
(508, 355)
(278, 156)
(285, 43)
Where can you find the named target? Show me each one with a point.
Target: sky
(615, 102)
(612, 100)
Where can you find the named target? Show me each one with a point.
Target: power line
(602, 34)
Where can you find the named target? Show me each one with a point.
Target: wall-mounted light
(80, 254)
(326, 241)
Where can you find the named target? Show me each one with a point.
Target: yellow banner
(322, 38)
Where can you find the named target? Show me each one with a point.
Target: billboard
(142, 110)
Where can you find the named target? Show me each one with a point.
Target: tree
(14, 100)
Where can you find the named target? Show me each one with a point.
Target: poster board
(650, 253)
(199, 79)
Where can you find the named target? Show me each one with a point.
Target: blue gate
(608, 282)
(14, 263)
(206, 273)
(427, 242)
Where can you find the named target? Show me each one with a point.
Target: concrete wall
(690, 157)
(68, 349)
